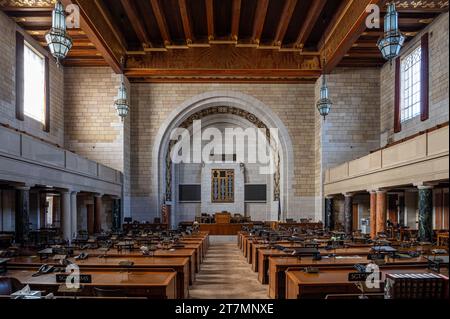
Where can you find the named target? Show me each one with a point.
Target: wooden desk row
(181, 263)
(301, 285)
(152, 284)
(279, 265)
(272, 264)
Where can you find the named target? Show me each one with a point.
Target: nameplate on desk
(84, 279)
(375, 257)
(358, 276)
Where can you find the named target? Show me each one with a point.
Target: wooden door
(445, 208)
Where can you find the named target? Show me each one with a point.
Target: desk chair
(100, 292)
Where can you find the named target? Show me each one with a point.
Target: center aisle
(225, 274)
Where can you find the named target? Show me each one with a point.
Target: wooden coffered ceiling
(223, 40)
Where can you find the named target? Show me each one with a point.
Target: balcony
(422, 158)
(25, 159)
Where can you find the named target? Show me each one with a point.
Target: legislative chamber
(224, 150)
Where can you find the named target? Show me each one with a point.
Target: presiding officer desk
(157, 284)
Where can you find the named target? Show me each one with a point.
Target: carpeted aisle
(225, 274)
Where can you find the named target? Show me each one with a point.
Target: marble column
(66, 217)
(373, 214)
(425, 213)
(348, 214)
(98, 208)
(22, 214)
(329, 217)
(381, 210)
(74, 213)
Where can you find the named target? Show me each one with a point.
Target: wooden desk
(301, 285)
(191, 253)
(256, 248)
(278, 266)
(223, 229)
(153, 285)
(180, 265)
(442, 239)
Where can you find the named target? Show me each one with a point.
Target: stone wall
(439, 73)
(8, 87)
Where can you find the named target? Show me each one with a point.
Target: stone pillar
(66, 225)
(425, 213)
(329, 217)
(98, 209)
(74, 213)
(22, 214)
(348, 214)
(381, 210)
(373, 214)
(401, 209)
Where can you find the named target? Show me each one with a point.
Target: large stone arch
(231, 99)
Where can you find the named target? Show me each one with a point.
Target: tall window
(34, 84)
(222, 184)
(410, 85)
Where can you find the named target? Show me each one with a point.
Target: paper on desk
(347, 257)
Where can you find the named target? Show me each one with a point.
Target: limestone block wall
(439, 73)
(8, 87)
(92, 127)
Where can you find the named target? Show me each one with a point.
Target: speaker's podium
(224, 224)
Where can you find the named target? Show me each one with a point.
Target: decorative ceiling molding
(27, 3)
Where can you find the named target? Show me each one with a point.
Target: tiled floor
(225, 274)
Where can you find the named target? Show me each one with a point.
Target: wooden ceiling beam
(260, 18)
(347, 30)
(136, 24)
(210, 18)
(186, 19)
(93, 23)
(225, 62)
(235, 19)
(309, 23)
(161, 21)
(285, 19)
(109, 20)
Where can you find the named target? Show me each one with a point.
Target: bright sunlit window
(410, 88)
(34, 84)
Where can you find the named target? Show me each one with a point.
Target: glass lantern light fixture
(58, 40)
(393, 40)
(121, 102)
(324, 104)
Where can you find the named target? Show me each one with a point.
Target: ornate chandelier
(121, 102)
(324, 104)
(393, 40)
(58, 40)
